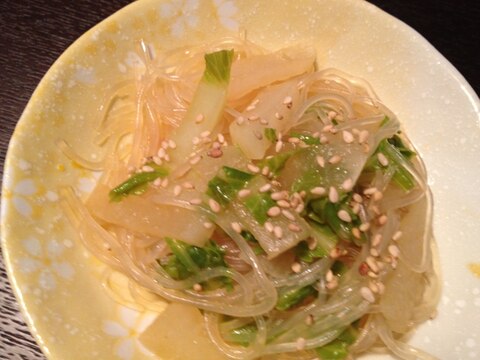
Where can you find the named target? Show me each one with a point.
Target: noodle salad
(278, 208)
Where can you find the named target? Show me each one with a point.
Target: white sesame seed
(188, 185)
(195, 160)
(296, 267)
(278, 232)
(364, 227)
(131, 169)
(279, 195)
(332, 284)
(205, 134)
(215, 153)
(236, 227)
(254, 169)
(288, 100)
(323, 139)
(250, 107)
(363, 136)
(268, 226)
(331, 115)
(172, 144)
(147, 168)
(333, 195)
(398, 234)
(381, 287)
(372, 274)
(274, 211)
(377, 239)
(221, 138)
(335, 253)
(283, 204)
(356, 208)
(358, 198)
(215, 206)
(294, 227)
(300, 343)
(263, 121)
(244, 193)
(300, 207)
(312, 243)
(177, 189)
(309, 319)
(356, 233)
(196, 140)
(335, 159)
(372, 263)
(293, 140)
(327, 128)
(265, 188)
(164, 183)
(253, 117)
(382, 220)
(288, 215)
(347, 137)
(367, 294)
(318, 190)
(167, 157)
(207, 225)
(347, 185)
(329, 275)
(165, 144)
(196, 201)
(157, 182)
(278, 146)
(278, 116)
(344, 216)
(370, 191)
(320, 161)
(197, 287)
(394, 250)
(377, 196)
(373, 286)
(161, 153)
(382, 159)
(157, 160)
(240, 120)
(374, 252)
(300, 85)
(199, 118)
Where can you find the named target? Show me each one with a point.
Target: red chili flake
(363, 268)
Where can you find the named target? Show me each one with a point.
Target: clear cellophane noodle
(134, 120)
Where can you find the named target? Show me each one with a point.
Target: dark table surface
(34, 33)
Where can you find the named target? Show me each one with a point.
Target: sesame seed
(374, 252)
(177, 189)
(199, 118)
(254, 169)
(377, 239)
(274, 211)
(167, 157)
(347, 137)
(347, 185)
(398, 234)
(263, 121)
(288, 215)
(331, 115)
(329, 275)
(356, 208)
(335, 159)
(377, 196)
(157, 160)
(296, 267)
(250, 107)
(370, 191)
(363, 136)
(215, 206)
(382, 220)
(333, 195)
(335, 253)
(236, 227)
(309, 319)
(327, 128)
(375, 209)
(367, 294)
(318, 190)
(382, 159)
(320, 161)
(323, 139)
(147, 168)
(244, 193)
(278, 116)
(394, 250)
(381, 287)
(300, 207)
(253, 117)
(196, 140)
(364, 227)
(278, 146)
(195, 160)
(164, 183)
(373, 286)
(268, 226)
(294, 227)
(240, 120)
(288, 100)
(205, 134)
(300, 343)
(332, 284)
(300, 85)
(265, 188)
(215, 153)
(372, 274)
(344, 216)
(283, 203)
(356, 233)
(279, 195)
(311, 243)
(165, 144)
(172, 144)
(293, 140)
(358, 198)
(207, 225)
(278, 232)
(196, 201)
(372, 263)
(161, 153)
(197, 287)
(157, 182)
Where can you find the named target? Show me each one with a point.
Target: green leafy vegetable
(243, 335)
(136, 184)
(270, 134)
(325, 240)
(291, 297)
(224, 187)
(276, 162)
(306, 138)
(338, 348)
(258, 205)
(218, 66)
(257, 249)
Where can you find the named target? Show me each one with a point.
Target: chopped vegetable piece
(306, 138)
(270, 134)
(258, 205)
(276, 162)
(226, 184)
(291, 297)
(338, 348)
(243, 335)
(325, 240)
